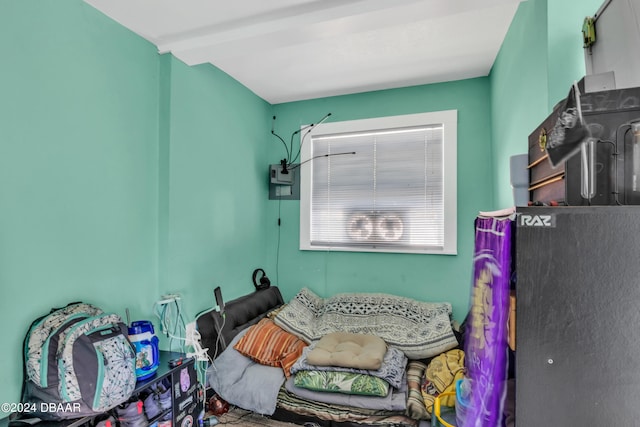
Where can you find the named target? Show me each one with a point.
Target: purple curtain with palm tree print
(486, 335)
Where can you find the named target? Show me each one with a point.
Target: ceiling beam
(306, 25)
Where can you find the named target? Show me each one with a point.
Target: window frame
(449, 121)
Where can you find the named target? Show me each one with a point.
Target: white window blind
(390, 196)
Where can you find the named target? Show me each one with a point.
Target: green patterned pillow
(342, 382)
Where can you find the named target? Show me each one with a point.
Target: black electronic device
(175, 362)
(279, 174)
(607, 171)
(261, 282)
(219, 301)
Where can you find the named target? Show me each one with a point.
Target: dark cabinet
(578, 316)
(186, 396)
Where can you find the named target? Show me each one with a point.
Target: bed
(262, 351)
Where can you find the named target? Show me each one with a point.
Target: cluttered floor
(240, 417)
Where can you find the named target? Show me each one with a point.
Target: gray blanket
(394, 401)
(245, 383)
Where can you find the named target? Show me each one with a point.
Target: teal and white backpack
(78, 362)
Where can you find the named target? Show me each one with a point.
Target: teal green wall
(78, 168)
(125, 175)
(426, 277)
(518, 91)
(565, 53)
(540, 58)
(217, 183)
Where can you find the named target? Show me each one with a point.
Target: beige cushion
(348, 350)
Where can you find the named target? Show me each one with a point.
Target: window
(380, 185)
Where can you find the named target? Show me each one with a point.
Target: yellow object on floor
(442, 417)
(441, 376)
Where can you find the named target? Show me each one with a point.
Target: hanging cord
(172, 322)
(218, 341)
(308, 129)
(173, 325)
(211, 361)
(278, 240)
(201, 355)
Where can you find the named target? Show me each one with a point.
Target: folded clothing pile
(350, 363)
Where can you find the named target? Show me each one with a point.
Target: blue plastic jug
(142, 336)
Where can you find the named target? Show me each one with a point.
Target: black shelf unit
(186, 401)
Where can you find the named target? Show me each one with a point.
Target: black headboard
(240, 313)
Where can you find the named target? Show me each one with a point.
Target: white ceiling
(289, 50)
